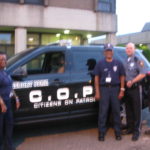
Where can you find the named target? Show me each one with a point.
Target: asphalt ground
(76, 135)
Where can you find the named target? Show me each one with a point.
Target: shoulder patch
(141, 63)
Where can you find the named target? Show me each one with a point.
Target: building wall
(81, 17)
(137, 38)
(56, 17)
(76, 4)
(106, 22)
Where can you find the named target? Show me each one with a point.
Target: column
(111, 38)
(20, 39)
(46, 2)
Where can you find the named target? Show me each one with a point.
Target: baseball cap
(108, 46)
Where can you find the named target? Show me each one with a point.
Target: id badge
(108, 80)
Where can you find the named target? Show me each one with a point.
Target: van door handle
(57, 82)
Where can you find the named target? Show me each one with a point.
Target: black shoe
(101, 137)
(135, 136)
(128, 131)
(118, 137)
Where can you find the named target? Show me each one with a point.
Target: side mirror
(18, 74)
(18, 77)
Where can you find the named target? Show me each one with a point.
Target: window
(6, 38)
(37, 39)
(55, 63)
(11, 1)
(33, 40)
(37, 2)
(7, 43)
(106, 6)
(8, 49)
(49, 38)
(34, 66)
(45, 63)
(76, 40)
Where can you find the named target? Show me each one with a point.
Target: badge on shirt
(108, 80)
(106, 69)
(132, 64)
(115, 68)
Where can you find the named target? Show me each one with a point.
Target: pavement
(76, 136)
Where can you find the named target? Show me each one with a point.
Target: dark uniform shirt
(5, 85)
(133, 67)
(109, 72)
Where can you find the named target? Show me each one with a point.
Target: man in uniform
(6, 117)
(109, 86)
(135, 72)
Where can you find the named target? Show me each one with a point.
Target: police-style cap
(108, 46)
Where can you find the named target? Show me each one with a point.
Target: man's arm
(122, 82)
(17, 100)
(138, 78)
(2, 105)
(122, 87)
(135, 80)
(141, 75)
(97, 88)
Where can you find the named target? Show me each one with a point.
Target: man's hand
(17, 104)
(97, 88)
(121, 95)
(97, 96)
(129, 84)
(3, 107)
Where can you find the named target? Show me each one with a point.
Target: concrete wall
(20, 39)
(18, 15)
(75, 15)
(76, 4)
(137, 38)
(106, 22)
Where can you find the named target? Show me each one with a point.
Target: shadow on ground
(43, 129)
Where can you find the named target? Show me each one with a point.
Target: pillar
(111, 38)
(20, 39)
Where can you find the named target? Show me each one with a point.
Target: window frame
(110, 3)
(33, 2)
(43, 66)
(10, 1)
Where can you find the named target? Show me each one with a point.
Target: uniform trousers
(6, 128)
(109, 97)
(133, 105)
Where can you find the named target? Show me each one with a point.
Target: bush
(146, 51)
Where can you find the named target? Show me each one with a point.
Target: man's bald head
(130, 49)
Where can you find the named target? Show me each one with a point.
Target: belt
(110, 85)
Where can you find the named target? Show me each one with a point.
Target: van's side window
(34, 66)
(45, 63)
(55, 63)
